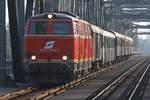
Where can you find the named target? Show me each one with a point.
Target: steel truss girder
(34, 7)
(2, 43)
(29, 9)
(129, 16)
(125, 2)
(15, 24)
(134, 34)
(139, 26)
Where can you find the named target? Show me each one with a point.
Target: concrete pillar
(2, 43)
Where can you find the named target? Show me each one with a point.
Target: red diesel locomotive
(60, 47)
(55, 45)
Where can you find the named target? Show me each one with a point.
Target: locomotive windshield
(60, 28)
(38, 28)
(45, 28)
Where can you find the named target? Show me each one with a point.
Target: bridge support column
(15, 43)
(21, 19)
(2, 44)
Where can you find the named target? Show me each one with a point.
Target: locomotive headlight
(33, 57)
(49, 16)
(64, 57)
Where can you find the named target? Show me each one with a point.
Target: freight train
(60, 47)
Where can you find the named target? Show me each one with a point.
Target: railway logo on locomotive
(49, 44)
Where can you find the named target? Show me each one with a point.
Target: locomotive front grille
(49, 68)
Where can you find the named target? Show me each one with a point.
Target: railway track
(137, 86)
(17, 93)
(36, 94)
(32, 93)
(138, 90)
(111, 89)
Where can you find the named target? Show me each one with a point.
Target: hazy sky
(6, 13)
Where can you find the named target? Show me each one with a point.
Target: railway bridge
(129, 17)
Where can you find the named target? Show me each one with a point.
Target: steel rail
(15, 94)
(115, 83)
(138, 85)
(53, 91)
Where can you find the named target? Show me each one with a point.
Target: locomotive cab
(49, 40)
(49, 48)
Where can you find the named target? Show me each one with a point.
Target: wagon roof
(96, 29)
